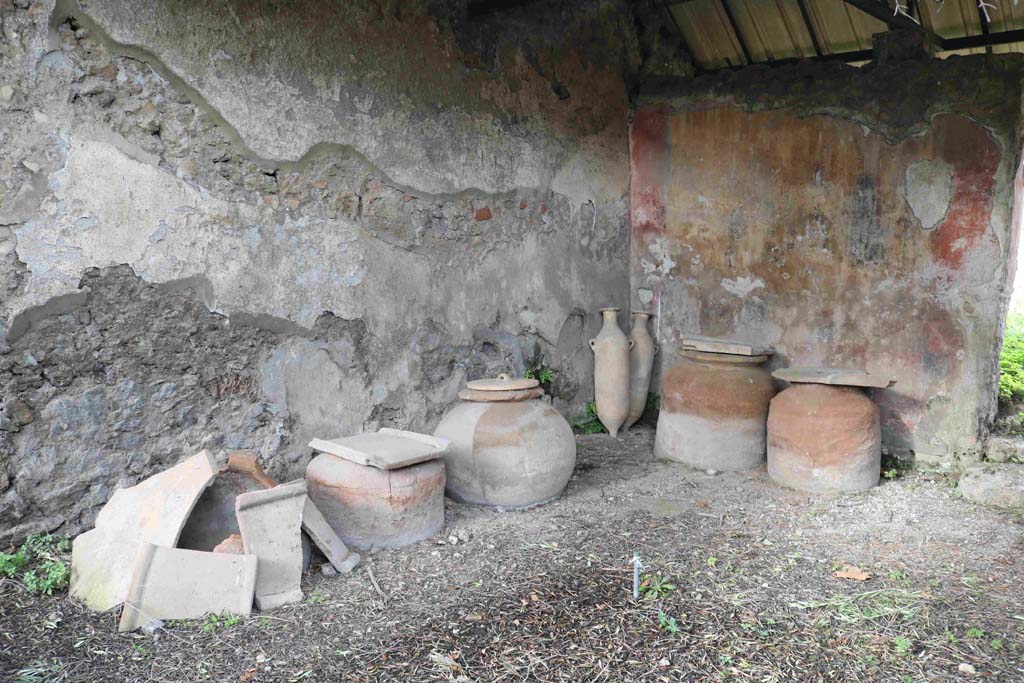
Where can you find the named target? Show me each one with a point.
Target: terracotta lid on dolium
(503, 383)
(501, 389)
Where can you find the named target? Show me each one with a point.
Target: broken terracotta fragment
(385, 449)
(172, 583)
(153, 511)
(271, 525)
(232, 545)
(213, 518)
(333, 548)
(849, 377)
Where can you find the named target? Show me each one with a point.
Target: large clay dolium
(641, 361)
(611, 372)
(509, 449)
(714, 408)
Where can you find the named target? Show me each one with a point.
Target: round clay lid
(711, 357)
(502, 383)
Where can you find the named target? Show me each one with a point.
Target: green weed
(667, 623)
(590, 424)
(1011, 361)
(542, 374)
(655, 586)
(38, 564)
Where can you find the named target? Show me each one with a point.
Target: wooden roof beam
(879, 9)
(736, 31)
(809, 26)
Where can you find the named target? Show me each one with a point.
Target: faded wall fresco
(839, 239)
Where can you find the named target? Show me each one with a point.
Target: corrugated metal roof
(774, 30)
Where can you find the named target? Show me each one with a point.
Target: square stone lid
(715, 345)
(387, 449)
(838, 376)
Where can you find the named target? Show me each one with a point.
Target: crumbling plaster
(846, 217)
(361, 204)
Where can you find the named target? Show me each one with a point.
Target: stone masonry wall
(245, 224)
(847, 217)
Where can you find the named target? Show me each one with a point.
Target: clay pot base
(502, 508)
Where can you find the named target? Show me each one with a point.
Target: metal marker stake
(636, 575)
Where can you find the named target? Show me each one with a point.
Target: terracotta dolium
(641, 360)
(611, 372)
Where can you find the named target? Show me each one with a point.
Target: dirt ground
(546, 594)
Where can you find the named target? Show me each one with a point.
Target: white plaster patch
(109, 208)
(662, 263)
(929, 188)
(742, 286)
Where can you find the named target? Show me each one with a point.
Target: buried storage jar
(508, 448)
(714, 408)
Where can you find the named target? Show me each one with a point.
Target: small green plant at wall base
(38, 564)
(590, 424)
(653, 402)
(541, 373)
(49, 576)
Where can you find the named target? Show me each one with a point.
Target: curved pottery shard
(641, 361)
(153, 511)
(611, 372)
(174, 583)
(271, 525)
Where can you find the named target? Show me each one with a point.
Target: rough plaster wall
(846, 217)
(244, 224)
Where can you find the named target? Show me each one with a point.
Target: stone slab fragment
(271, 526)
(716, 345)
(154, 511)
(1000, 486)
(847, 377)
(174, 583)
(333, 548)
(387, 449)
(1004, 449)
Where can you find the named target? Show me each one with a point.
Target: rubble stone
(999, 486)
(1005, 449)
